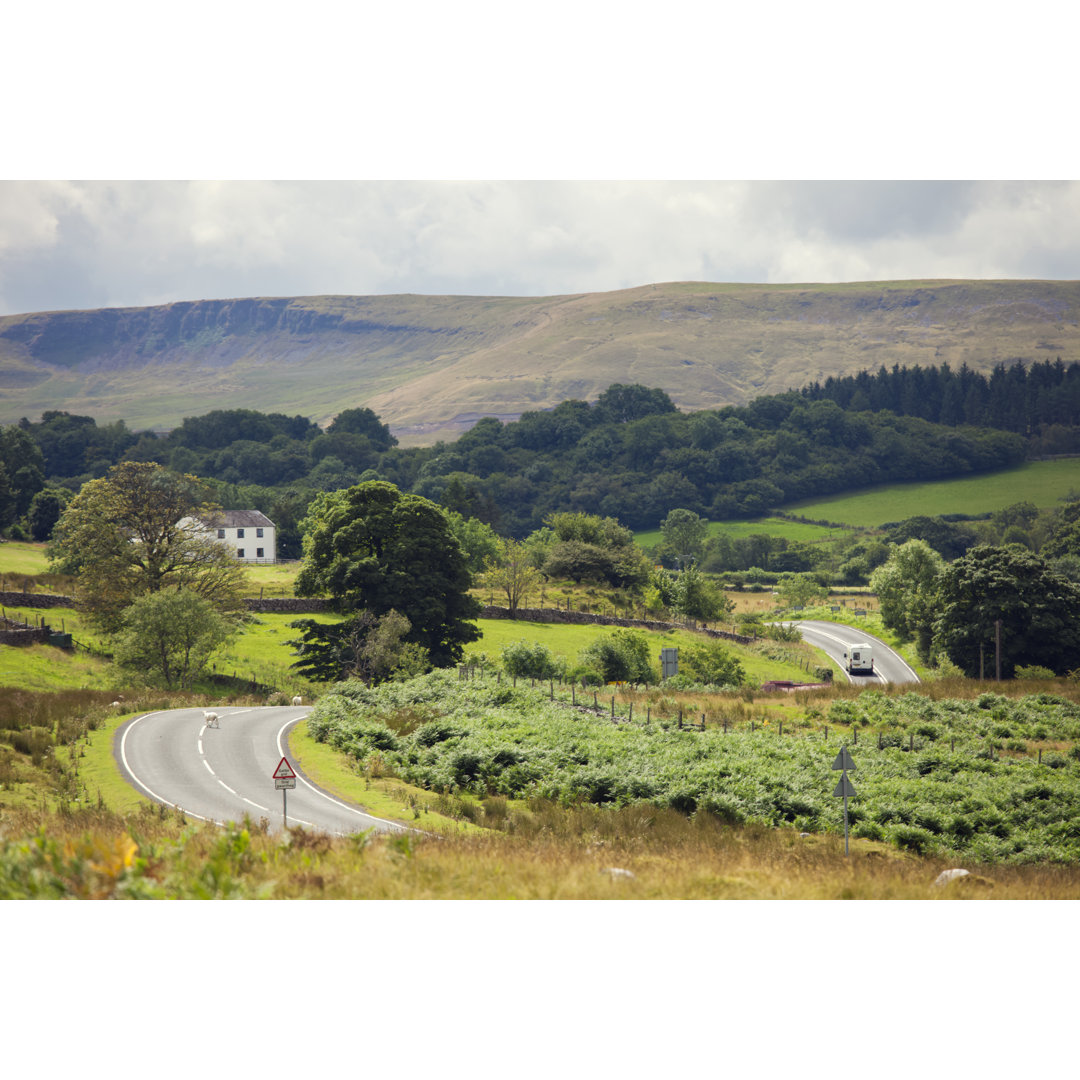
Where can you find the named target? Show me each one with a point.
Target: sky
(87, 244)
(226, 150)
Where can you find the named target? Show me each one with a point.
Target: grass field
(1042, 482)
(799, 531)
(568, 639)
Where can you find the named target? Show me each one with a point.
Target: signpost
(285, 778)
(845, 788)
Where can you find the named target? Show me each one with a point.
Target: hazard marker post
(284, 778)
(845, 788)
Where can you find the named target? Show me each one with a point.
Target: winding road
(836, 639)
(223, 772)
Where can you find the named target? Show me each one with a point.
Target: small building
(249, 534)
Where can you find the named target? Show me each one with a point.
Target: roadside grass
(636, 853)
(1042, 482)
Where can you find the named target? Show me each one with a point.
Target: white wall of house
(248, 543)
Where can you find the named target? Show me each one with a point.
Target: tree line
(631, 456)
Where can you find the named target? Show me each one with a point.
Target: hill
(430, 366)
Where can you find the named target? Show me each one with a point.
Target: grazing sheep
(949, 875)
(298, 700)
(212, 719)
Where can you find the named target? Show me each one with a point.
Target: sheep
(212, 719)
(298, 700)
(947, 876)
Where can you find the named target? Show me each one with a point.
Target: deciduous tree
(130, 533)
(371, 548)
(171, 634)
(1038, 609)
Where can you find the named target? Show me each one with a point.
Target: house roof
(233, 519)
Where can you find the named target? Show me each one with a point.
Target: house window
(258, 533)
(259, 553)
(221, 534)
(239, 553)
(239, 534)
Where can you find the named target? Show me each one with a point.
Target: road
(836, 639)
(222, 773)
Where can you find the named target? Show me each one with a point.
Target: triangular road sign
(845, 787)
(284, 771)
(843, 760)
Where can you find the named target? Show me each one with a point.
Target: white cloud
(74, 244)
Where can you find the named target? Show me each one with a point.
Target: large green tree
(1039, 611)
(908, 587)
(131, 533)
(372, 549)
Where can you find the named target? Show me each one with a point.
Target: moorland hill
(430, 366)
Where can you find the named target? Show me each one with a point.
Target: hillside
(430, 365)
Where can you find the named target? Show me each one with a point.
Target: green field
(771, 526)
(1042, 482)
(568, 639)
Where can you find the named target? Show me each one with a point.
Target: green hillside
(1043, 483)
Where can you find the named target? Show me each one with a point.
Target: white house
(249, 534)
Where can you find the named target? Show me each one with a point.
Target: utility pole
(997, 646)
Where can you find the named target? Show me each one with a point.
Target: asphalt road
(222, 773)
(836, 639)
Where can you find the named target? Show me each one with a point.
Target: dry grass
(548, 854)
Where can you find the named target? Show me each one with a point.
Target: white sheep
(298, 700)
(947, 876)
(211, 719)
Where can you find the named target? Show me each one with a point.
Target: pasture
(1043, 483)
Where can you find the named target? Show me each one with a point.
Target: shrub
(621, 656)
(912, 838)
(531, 660)
(1033, 671)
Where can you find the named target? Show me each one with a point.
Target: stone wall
(583, 618)
(289, 604)
(13, 634)
(35, 600)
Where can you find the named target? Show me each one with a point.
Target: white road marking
(208, 769)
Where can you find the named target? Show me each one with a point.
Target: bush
(621, 656)
(531, 660)
(1033, 671)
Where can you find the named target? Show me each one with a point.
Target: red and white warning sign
(284, 771)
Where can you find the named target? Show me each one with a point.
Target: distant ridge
(430, 366)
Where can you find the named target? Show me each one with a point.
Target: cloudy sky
(67, 244)
(462, 149)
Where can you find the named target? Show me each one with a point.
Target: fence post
(826, 732)
(680, 719)
(612, 706)
(630, 714)
(854, 735)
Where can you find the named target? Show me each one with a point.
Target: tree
(1039, 611)
(364, 647)
(371, 548)
(170, 634)
(684, 535)
(130, 533)
(907, 587)
(711, 663)
(797, 590)
(696, 597)
(45, 510)
(511, 573)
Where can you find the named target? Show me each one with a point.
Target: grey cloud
(70, 245)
